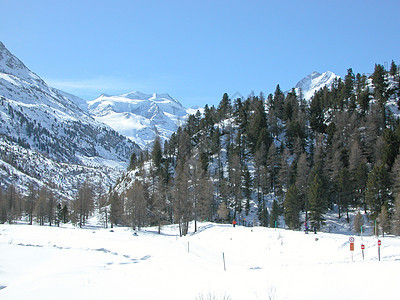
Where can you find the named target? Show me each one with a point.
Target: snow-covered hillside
(140, 117)
(314, 82)
(218, 262)
(38, 122)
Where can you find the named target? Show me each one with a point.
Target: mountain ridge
(313, 82)
(139, 116)
(47, 125)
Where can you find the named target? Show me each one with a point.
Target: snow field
(261, 263)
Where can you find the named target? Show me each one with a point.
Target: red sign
(362, 247)
(351, 246)
(379, 242)
(351, 240)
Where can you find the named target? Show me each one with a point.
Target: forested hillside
(268, 159)
(279, 154)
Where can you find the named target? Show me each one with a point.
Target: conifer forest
(269, 160)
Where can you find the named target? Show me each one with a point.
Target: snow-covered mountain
(42, 130)
(140, 117)
(314, 82)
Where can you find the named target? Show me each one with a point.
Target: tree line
(290, 159)
(286, 156)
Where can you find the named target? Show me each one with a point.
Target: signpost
(379, 249)
(351, 240)
(362, 250)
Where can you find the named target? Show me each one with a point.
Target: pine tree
(378, 189)
(317, 201)
(358, 222)
(116, 209)
(380, 86)
(278, 102)
(292, 207)
(132, 161)
(156, 154)
(348, 84)
(393, 68)
(224, 107)
(275, 213)
(384, 221)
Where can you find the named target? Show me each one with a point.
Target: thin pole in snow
(223, 258)
(188, 246)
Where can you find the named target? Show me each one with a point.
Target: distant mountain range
(45, 138)
(140, 117)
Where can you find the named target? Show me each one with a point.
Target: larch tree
(302, 172)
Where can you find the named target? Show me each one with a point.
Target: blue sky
(196, 50)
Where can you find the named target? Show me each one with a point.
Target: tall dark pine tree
(317, 201)
(156, 154)
(380, 87)
(378, 189)
(292, 207)
(274, 215)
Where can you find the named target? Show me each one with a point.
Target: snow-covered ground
(261, 263)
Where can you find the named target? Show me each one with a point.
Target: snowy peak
(314, 82)
(138, 116)
(45, 133)
(11, 65)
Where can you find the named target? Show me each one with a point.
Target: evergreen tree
(224, 107)
(278, 102)
(317, 201)
(378, 189)
(393, 69)
(292, 207)
(384, 221)
(317, 114)
(132, 161)
(358, 222)
(348, 84)
(275, 213)
(380, 86)
(116, 209)
(156, 154)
